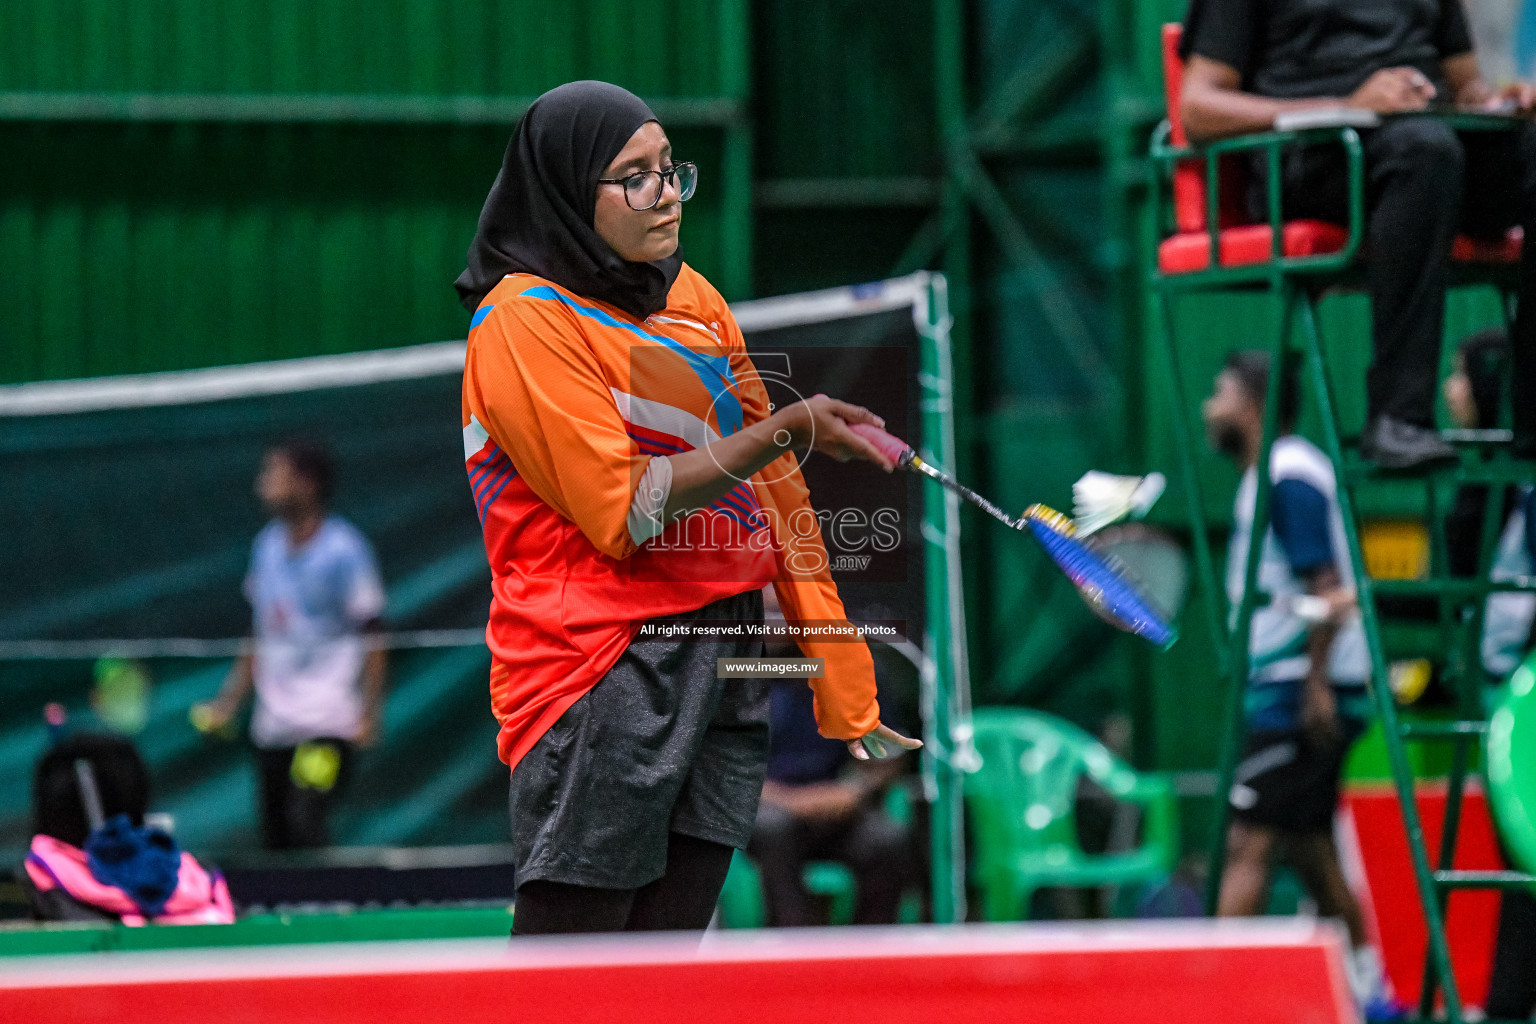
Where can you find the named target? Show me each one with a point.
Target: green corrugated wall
(846, 157)
(669, 48)
(196, 184)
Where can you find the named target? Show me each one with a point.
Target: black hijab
(538, 217)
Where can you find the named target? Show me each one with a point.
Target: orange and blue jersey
(566, 401)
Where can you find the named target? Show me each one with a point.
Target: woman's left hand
(882, 742)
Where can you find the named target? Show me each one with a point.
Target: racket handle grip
(890, 445)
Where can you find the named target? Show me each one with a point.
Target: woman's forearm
(701, 476)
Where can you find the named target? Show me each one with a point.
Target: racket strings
(1108, 590)
(1064, 525)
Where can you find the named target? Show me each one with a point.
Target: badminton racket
(1103, 585)
(901, 453)
(1151, 558)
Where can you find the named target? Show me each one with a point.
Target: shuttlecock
(1103, 499)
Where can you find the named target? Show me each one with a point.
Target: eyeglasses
(642, 190)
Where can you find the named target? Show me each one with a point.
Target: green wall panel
(480, 47)
(844, 89)
(843, 93)
(805, 249)
(126, 248)
(1045, 648)
(208, 223)
(1041, 407)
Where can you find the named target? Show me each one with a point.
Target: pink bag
(201, 897)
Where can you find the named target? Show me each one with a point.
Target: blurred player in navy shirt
(1306, 698)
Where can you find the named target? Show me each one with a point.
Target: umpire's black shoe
(1393, 444)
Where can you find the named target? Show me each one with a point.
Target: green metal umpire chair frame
(1214, 247)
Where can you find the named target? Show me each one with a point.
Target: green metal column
(1381, 690)
(947, 749)
(947, 820)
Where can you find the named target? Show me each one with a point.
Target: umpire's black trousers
(1424, 183)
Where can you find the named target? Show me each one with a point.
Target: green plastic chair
(836, 882)
(741, 898)
(1023, 803)
(1511, 764)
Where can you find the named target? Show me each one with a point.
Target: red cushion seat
(1242, 246)
(1189, 251)
(1481, 250)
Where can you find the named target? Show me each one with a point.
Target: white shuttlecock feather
(1103, 499)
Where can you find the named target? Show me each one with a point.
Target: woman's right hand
(821, 424)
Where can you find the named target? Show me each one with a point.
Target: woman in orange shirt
(637, 491)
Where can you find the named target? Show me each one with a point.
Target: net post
(947, 749)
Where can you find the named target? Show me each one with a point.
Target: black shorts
(659, 745)
(1288, 781)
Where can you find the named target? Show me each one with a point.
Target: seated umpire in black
(1249, 60)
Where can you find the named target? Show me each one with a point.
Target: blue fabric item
(143, 862)
(1300, 517)
(798, 755)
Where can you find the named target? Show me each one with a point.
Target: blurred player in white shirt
(315, 592)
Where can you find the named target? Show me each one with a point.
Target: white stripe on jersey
(667, 419)
(474, 438)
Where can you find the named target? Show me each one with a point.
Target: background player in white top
(1305, 701)
(315, 593)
